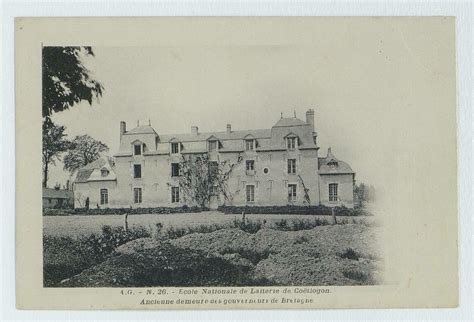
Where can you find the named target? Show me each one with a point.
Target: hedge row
(121, 211)
(297, 210)
(300, 210)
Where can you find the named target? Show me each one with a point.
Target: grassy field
(84, 225)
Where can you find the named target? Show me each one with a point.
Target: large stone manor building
(277, 166)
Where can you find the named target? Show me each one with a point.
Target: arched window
(104, 172)
(332, 164)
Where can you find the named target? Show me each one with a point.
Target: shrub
(64, 257)
(301, 239)
(121, 211)
(173, 233)
(299, 224)
(252, 255)
(248, 226)
(292, 209)
(166, 266)
(359, 276)
(111, 238)
(349, 253)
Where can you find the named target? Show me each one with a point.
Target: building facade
(58, 198)
(277, 166)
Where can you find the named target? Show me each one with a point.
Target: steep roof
(99, 163)
(57, 194)
(289, 121)
(85, 173)
(272, 139)
(143, 129)
(233, 135)
(331, 165)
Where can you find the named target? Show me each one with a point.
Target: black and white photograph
(194, 162)
(152, 178)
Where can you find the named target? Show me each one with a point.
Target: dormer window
(291, 143)
(137, 149)
(104, 172)
(332, 164)
(249, 145)
(213, 146)
(175, 148)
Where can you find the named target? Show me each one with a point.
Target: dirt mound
(138, 245)
(306, 257)
(165, 265)
(325, 255)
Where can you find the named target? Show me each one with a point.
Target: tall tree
(54, 144)
(364, 193)
(66, 81)
(84, 150)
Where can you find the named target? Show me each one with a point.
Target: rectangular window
(213, 191)
(292, 166)
(174, 148)
(175, 171)
(137, 195)
(137, 171)
(291, 143)
(104, 196)
(291, 192)
(333, 192)
(174, 194)
(250, 192)
(137, 149)
(249, 165)
(249, 145)
(212, 146)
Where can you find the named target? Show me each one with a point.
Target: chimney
(229, 128)
(330, 155)
(123, 129)
(194, 130)
(310, 118)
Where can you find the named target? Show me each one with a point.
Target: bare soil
(326, 255)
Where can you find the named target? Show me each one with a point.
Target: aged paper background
(419, 207)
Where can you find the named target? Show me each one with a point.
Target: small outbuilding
(54, 198)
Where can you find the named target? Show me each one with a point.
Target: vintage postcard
(236, 162)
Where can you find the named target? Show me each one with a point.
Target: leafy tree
(364, 193)
(66, 81)
(201, 177)
(84, 150)
(54, 144)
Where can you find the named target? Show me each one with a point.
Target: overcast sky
(361, 88)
